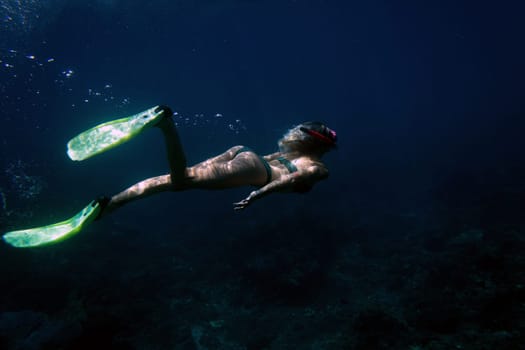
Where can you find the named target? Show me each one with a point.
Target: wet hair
(308, 137)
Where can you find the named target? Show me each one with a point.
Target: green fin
(54, 233)
(108, 135)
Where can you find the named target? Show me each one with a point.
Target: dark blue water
(414, 241)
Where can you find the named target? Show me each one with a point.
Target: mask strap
(317, 135)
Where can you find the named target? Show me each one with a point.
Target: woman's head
(309, 137)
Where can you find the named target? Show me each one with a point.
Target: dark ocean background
(415, 241)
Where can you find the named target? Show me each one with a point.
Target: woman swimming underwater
(296, 167)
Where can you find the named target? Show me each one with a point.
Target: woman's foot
(103, 202)
(167, 113)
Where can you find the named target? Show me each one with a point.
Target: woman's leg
(180, 176)
(226, 170)
(174, 150)
(140, 190)
(177, 163)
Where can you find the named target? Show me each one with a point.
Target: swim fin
(111, 134)
(54, 233)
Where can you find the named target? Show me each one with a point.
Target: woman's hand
(241, 205)
(245, 202)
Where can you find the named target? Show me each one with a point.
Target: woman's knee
(180, 183)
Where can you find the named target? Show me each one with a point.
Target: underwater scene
(262, 174)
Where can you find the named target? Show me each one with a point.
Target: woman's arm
(284, 183)
(272, 156)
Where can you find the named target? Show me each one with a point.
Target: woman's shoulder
(309, 162)
(311, 170)
(312, 166)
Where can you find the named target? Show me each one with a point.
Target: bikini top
(289, 165)
(299, 187)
